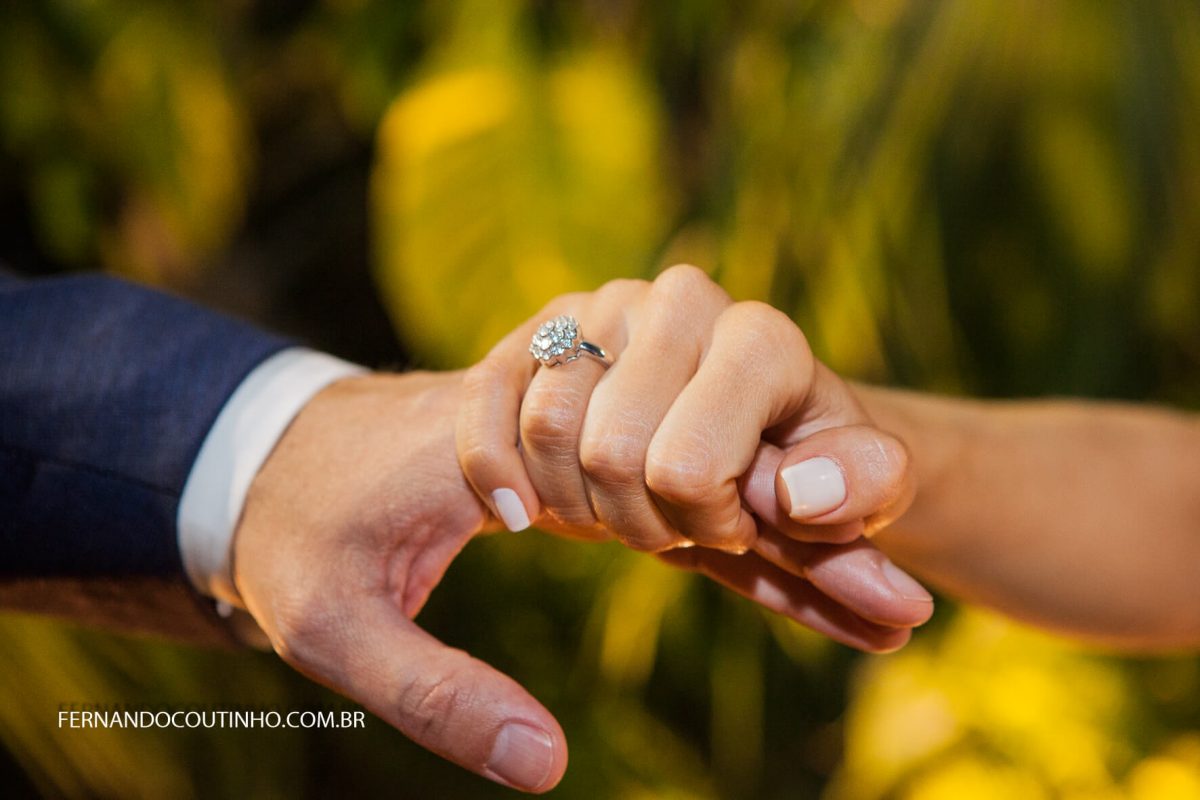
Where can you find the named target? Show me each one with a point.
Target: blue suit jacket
(107, 391)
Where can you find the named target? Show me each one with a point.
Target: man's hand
(347, 528)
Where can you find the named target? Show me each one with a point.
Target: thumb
(832, 486)
(440, 697)
(833, 557)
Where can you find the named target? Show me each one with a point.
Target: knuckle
(682, 275)
(547, 425)
(766, 327)
(612, 459)
(483, 377)
(484, 384)
(767, 335)
(428, 705)
(685, 281)
(687, 295)
(477, 457)
(682, 480)
(622, 287)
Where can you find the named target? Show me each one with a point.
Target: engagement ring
(558, 341)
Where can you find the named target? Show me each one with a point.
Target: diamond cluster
(556, 341)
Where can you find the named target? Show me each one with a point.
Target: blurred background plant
(998, 198)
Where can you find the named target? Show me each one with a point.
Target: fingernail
(770, 594)
(815, 486)
(522, 756)
(511, 509)
(904, 584)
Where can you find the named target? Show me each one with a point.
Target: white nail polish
(511, 509)
(815, 486)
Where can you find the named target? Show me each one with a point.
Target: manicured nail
(511, 509)
(815, 486)
(904, 584)
(522, 756)
(770, 595)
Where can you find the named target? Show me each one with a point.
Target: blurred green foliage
(995, 197)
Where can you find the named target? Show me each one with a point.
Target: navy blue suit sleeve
(107, 391)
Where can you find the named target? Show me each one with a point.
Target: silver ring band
(595, 351)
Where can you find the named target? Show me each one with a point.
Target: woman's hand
(712, 411)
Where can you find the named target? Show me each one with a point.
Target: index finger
(486, 433)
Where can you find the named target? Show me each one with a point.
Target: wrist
(242, 437)
(369, 455)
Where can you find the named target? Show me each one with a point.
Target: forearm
(106, 393)
(1081, 517)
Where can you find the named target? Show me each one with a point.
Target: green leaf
(499, 187)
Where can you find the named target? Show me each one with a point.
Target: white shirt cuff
(251, 422)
